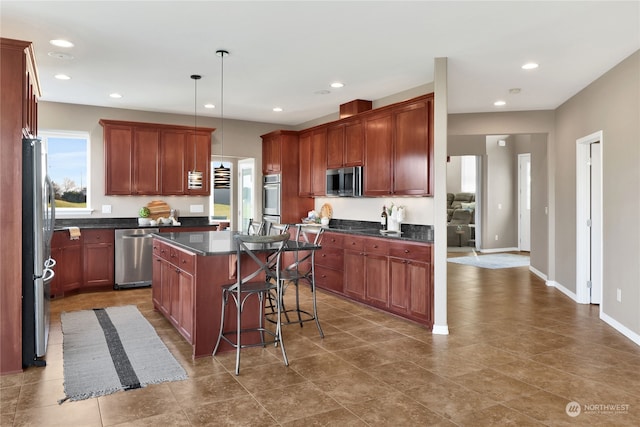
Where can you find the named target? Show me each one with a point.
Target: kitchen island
(189, 269)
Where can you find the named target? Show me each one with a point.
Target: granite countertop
(208, 243)
(118, 223)
(410, 232)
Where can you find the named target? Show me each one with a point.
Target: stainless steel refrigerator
(38, 219)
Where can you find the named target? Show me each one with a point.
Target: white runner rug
(112, 349)
(492, 261)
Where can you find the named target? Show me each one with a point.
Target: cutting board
(158, 209)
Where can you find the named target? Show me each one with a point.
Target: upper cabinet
(345, 144)
(271, 152)
(312, 165)
(154, 159)
(399, 149)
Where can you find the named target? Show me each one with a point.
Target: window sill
(72, 212)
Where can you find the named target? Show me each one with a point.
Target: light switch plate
(106, 208)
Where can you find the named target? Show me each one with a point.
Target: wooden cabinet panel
(146, 167)
(118, 156)
(412, 148)
(329, 279)
(186, 285)
(271, 154)
(319, 162)
(410, 279)
(172, 162)
(304, 176)
(335, 146)
(378, 154)
(354, 274)
(354, 143)
(98, 258)
(377, 280)
(330, 263)
(68, 256)
(399, 293)
(156, 282)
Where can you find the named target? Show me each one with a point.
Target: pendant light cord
(222, 54)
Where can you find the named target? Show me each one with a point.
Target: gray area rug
(112, 349)
(492, 261)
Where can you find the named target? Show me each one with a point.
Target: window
(468, 174)
(220, 200)
(68, 168)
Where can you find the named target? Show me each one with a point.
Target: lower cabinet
(68, 256)
(410, 276)
(98, 258)
(173, 286)
(389, 274)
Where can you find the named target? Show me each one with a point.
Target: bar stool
(301, 269)
(252, 280)
(255, 228)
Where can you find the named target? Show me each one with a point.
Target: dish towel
(74, 233)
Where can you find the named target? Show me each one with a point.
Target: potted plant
(143, 216)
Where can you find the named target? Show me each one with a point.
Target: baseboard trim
(620, 328)
(440, 330)
(538, 273)
(562, 289)
(490, 251)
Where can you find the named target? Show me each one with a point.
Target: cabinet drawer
(330, 257)
(376, 246)
(327, 278)
(97, 236)
(61, 239)
(353, 243)
(174, 255)
(163, 250)
(332, 240)
(187, 261)
(411, 251)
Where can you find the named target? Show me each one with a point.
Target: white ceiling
(282, 53)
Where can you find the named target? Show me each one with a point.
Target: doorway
(246, 192)
(589, 219)
(524, 202)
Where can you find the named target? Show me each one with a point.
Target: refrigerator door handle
(48, 274)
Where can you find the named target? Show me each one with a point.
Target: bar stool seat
(301, 270)
(254, 274)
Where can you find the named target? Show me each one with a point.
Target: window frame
(45, 135)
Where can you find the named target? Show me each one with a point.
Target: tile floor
(518, 352)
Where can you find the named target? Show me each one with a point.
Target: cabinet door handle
(406, 251)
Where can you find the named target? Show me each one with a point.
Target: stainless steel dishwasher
(134, 257)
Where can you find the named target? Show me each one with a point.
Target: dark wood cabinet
(319, 162)
(172, 164)
(376, 272)
(410, 271)
(412, 153)
(378, 151)
(271, 152)
(283, 149)
(345, 144)
(68, 269)
(154, 159)
(354, 268)
(98, 258)
(173, 286)
(329, 269)
(304, 166)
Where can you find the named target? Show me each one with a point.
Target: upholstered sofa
(460, 219)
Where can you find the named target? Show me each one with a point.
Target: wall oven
(271, 195)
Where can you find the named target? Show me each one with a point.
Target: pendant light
(194, 177)
(221, 175)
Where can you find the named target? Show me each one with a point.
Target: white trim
(620, 328)
(494, 250)
(538, 273)
(562, 289)
(440, 330)
(583, 294)
(72, 212)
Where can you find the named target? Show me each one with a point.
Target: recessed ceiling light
(322, 92)
(62, 77)
(514, 90)
(529, 66)
(277, 109)
(61, 43)
(499, 103)
(60, 55)
(115, 95)
(337, 84)
(209, 106)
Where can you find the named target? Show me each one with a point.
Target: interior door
(246, 192)
(524, 202)
(596, 224)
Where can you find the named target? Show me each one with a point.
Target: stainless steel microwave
(345, 182)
